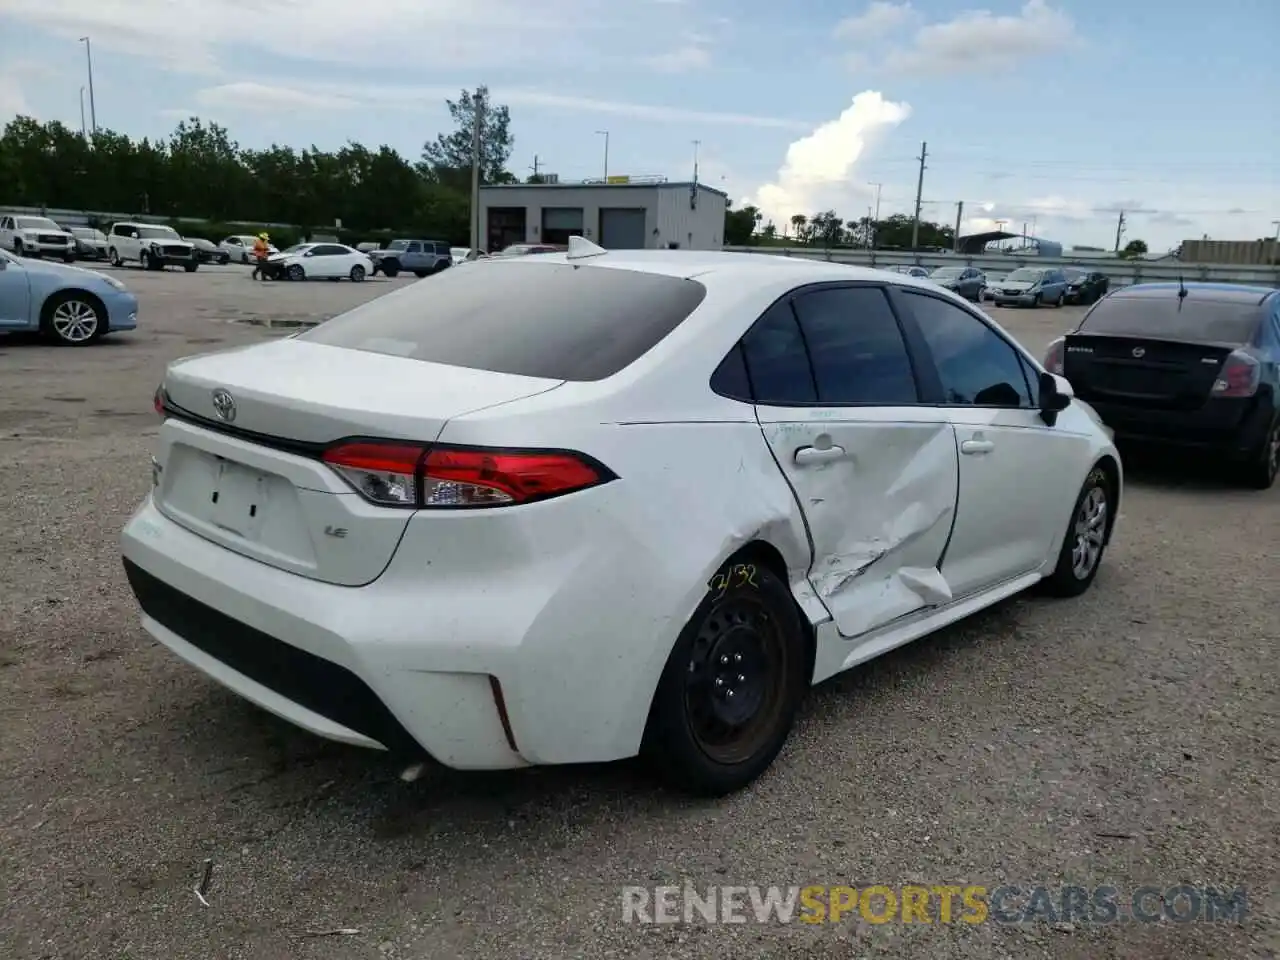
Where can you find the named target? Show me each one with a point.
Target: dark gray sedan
(969, 282)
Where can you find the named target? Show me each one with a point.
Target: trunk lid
(251, 480)
(1143, 372)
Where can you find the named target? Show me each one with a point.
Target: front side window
(977, 367)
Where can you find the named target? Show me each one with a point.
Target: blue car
(69, 305)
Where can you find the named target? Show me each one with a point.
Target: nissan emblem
(1138, 353)
(224, 405)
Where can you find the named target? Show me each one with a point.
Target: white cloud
(818, 170)
(293, 94)
(879, 19)
(684, 59)
(267, 98)
(194, 35)
(12, 101)
(974, 41)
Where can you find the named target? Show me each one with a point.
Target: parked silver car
(966, 281)
(1031, 287)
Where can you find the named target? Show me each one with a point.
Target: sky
(1056, 114)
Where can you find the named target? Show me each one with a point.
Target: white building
(618, 216)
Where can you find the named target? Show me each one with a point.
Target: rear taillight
(1053, 356)
(1239, 376)
(158, 400)
(423, 478)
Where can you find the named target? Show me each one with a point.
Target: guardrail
(1120, 272)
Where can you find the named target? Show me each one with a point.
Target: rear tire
(1262, 467)
(357, 274)
(390, 270)
(18, 248)
(421, 273)
(729, 692)
(1086, 538)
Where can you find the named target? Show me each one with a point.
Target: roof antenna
(580, 248)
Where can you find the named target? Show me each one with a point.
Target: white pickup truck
(35, 237)
(152, 245)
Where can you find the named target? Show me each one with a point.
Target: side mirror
(1055, 396)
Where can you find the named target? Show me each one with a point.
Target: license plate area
(238, 499)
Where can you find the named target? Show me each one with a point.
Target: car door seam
(955, 440)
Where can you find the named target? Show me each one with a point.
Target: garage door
(622, 228)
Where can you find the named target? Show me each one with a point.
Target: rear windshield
(531, 319)
(1205, 321)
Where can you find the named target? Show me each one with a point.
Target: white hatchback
(578, 507)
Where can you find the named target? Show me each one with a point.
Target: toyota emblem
(224, 405)
(1138, 353)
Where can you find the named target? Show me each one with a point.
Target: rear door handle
(977, 446)
(818, 454)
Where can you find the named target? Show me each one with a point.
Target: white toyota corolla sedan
(580, 507)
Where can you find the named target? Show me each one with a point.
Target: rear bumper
(314, 654)
(1232, 428)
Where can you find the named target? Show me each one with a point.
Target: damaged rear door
(874, 472)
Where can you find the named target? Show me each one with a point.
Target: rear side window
(532, 319)
(857, 348)
(1205, 321)
(777, 359)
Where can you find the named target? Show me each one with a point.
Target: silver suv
(1031, 287)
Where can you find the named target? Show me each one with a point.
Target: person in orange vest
(261, 250)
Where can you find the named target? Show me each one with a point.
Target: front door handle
(818, 454)
(977, 446)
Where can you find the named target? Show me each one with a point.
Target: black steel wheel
(728, 695)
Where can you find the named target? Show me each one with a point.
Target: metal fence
(1121, 272)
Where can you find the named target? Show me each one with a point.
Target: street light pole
(605, 134)
(84, 131)
(93, 111)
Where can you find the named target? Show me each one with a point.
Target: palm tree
(798, 220)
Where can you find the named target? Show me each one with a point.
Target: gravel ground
(1128, 737)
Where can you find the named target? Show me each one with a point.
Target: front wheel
(421, 273)
(295, 272)
(357, 274)
(1086, 537)
(114, 256)
(72, 319)
(1061, 299)
(728, 695)
(190, 267)
(144, 258)
(1261, 468)
(1035, 301)
(17, 248)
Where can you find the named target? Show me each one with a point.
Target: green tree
(799, 225)
(449, 156)
(1134, 248)
(740, 225)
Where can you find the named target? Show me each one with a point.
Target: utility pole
(875, 220)
(84, 131)
(696, 145)
(605, 134)
(476, 140)
(955, 245)
(535, 167)
(93, 111)
(1119, 230)
(915, 226)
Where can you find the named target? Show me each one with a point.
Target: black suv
(1192, 365)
